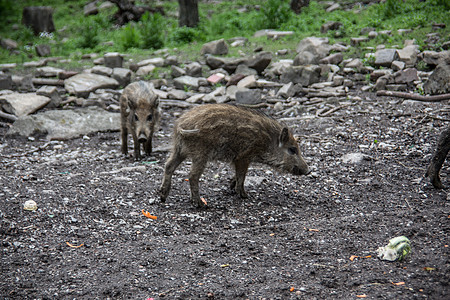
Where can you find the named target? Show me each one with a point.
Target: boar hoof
(434, 177)
(232, 184)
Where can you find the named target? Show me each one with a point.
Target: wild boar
(442, 149)
(232, 134)
(140, 114)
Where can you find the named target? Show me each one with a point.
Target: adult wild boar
(232, 134)
(140, 114)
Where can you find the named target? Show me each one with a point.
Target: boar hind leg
(237, 183)
(197, 168)
(124, 131)
(438, 159)
(172, 163)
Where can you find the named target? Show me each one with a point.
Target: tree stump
(296, 5)
(38, 18)
(130, 12)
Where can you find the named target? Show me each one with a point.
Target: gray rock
(122, 75)
(358, 40)
(406, 76)
(6, 82)
(188, 82)
(101, 70)
(338, 80)
(82, 84)
(48, 72)
(66, 124)
(245, 70)
(247, 82)
(355, 64)
(366, 30)
(378, 73)
(194, 69)
(435, 58)
(319, 47)
(35, 64)
(353, 158)
(19, 104)
(330, 25)
(372, 35)
(305, 58)
(216, 96)
(26, 84)
(334, 59)
(171, 60)
(177, 94)
(439, 80)
(228, 63)
(408, 55)
(272, 34)
(287, 90)
(113, 60)
(196, 98)
(145, 70)
(396, 87)
(43, 50)
(8, 44)
(156, 61)
(6, 67)
(248, 96)
(177, 71)
(397, 65)
(90, 9)
(52, 93)
(385, 57)
(218, 47)
(381, 83)
(259, 62)
(304, 75)
(333, 7)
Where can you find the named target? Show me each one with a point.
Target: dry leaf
(361, 296)
(292, 289)
(353, 257)
(398, 283)
(203, 200)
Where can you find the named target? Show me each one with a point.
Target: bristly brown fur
(233, 134)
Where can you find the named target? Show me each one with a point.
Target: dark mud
(293, 238)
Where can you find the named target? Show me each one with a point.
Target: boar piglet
(442, 149)
(232, 134)
(139, 113)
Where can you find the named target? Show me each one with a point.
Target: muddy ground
(293, 238)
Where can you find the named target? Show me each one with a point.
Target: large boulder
(66, 124)
(22, 104)
(83, 84)
(439, 80)
(435, 58)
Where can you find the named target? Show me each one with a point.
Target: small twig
(436, 98)
(329, 112)
(8, 116)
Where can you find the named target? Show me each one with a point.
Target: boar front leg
(197, 168)
(148, 145)
(438, 158)
(137, 147)
(172, 163)
(241, 167)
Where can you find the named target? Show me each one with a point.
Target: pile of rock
(318, 71)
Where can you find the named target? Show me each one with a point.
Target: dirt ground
(291, 239)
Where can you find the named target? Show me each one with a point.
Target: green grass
(77, 34)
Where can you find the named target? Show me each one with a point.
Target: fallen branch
(40, 148)
(329, 112)
(7, 116)
(436, 98)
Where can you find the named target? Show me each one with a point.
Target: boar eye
(292, 151)
(150, 118)
(136, 117)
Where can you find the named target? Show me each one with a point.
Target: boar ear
(131, 105)
(284, 136)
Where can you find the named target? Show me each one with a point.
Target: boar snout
(142, 138)
(304, 170)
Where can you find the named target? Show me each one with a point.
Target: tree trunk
(297, 5)
(188, 13)
(130, 12)
(38, 18)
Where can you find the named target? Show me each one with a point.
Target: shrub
(275, 13)
(183, 35)
(89, 34)
(151, 29)
(129, 37)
